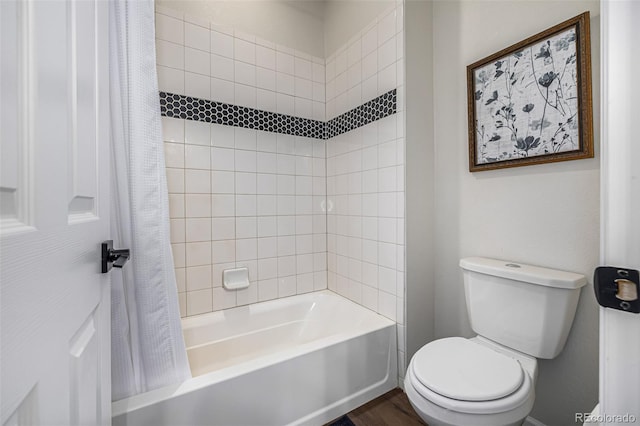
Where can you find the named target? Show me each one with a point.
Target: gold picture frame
(531, 102)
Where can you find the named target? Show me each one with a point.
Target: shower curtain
(147, 347)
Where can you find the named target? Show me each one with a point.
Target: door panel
(54, 153)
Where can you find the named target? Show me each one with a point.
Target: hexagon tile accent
(190, 108)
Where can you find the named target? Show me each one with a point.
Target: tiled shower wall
(365, 174)
(247, 197)
(241, 196)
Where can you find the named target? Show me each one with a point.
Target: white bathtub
(302, 360)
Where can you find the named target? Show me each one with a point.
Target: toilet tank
(526, 308)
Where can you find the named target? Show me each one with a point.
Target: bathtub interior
(244, 334)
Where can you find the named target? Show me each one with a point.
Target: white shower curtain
(147, 347)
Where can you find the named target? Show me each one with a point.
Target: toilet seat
(461, 375)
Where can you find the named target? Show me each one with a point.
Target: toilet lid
(460, 369)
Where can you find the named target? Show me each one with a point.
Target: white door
(54, 163)
(620, 331)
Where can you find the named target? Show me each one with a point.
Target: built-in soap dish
(235, 279)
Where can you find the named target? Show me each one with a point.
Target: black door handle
(113, 258)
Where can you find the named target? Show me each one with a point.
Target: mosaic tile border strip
(190, 108)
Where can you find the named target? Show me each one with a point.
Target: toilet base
(435, 415)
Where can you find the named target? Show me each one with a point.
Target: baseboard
(530, 421)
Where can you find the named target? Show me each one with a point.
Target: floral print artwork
(526, 103)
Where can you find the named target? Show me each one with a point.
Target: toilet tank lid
(526, 273)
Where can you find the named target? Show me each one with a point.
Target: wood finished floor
(391, 409)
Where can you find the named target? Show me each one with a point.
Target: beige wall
(545, 215)
(280, 22)
(343, 19)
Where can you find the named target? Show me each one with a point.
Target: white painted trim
(620, 200)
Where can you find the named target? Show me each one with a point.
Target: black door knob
(112, 257)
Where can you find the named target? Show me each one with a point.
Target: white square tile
(267, 184)
(197, 229)
(170, 80)
(246, 205)
(222, 67)
(222, 91)
(387, 79)
(267, 162)
(287, 286)
(387, 228)
(387, 205)
(245, 139)
(196, 37)
(177, 231)
(197, 85)
(181, 279)
(223, 205)
(245, 95)
(197, 205)
(286, 246)
(285, 63)
(303, 108)
(197, 132)
(196, 61)
(268, 248)
(176, 206)
(221, 44)
(223, 298)
(267, 268)
(286, 266)
(175, 181)
(169, 29)
(369, 65)
(222, 182)
(304, 264)
(245, 161)
(318, 71)
(370, 228)
(245, 183)
(197, 157)
(285, 83)
(354, 53)
(223, 251)
(197, 181)
(179, 256)
(169, 54)
(244, 51)
(303, 68)
(222, 136)
(267, 226)
(341, 62)
(303, 88)
(267, 205)
(199, 302)
(266, 100)
(387, 305)
(318, 92)
(285, 104)
(246, 227)
(267, 289)
(173, 129)
(387, 179)
(304, 166)
(304, 244)
(223, 228)
(386, 27)
(265, 57)
(247, 295)
(286, 225)
(266, 79)
(246, 249)
(369, 41)
(370, 88)
(174, 155)
(387, 54)
(304, 283)
(245, 73)
(286, 205)
(222, 158)
(286, 164)
(198, 253)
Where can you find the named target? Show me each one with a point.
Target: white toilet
(520, 313)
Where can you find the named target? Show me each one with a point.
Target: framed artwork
(531, 102)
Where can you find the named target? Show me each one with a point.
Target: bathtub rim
(142, 400)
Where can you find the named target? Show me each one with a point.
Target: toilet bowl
(520, 313)
(457, 381)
